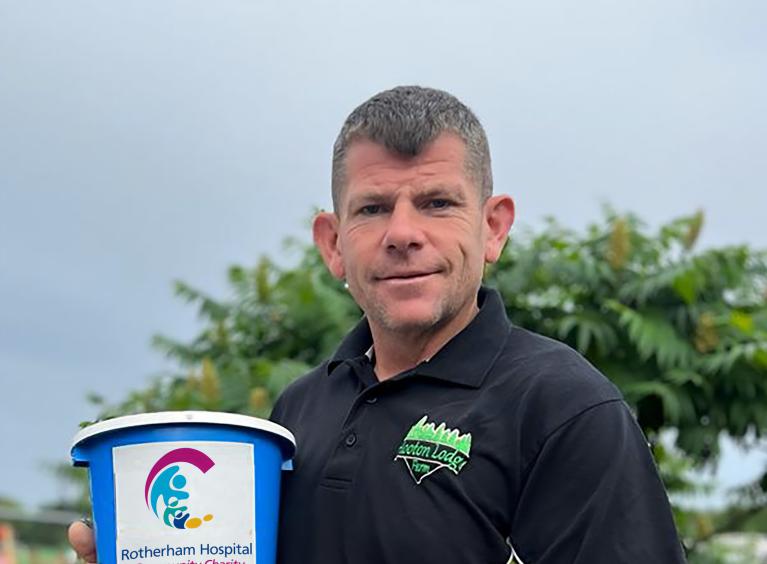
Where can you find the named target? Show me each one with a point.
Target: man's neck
(397, 351)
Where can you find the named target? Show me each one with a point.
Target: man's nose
(404, 231)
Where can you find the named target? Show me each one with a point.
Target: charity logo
(426, 448)
(165, 493)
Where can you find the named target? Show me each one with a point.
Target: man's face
(411, 235)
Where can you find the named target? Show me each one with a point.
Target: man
(439, 432)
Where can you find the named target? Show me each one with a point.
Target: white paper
(185, 502)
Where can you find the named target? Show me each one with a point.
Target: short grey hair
(404, 120)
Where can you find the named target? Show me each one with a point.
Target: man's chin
(410, 321)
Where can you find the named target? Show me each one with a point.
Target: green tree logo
(427, 447)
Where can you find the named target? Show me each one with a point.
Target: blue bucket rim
(184, 417)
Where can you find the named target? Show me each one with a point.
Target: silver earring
(346, 285)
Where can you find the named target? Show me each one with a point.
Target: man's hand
(81, 539)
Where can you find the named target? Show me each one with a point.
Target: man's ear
(325, 232)
(499, 217)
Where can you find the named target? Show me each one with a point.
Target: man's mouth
(405, 276)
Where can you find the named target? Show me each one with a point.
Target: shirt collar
(464, 360)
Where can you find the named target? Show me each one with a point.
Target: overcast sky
(147, 141)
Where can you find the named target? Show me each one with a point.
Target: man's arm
(593, 495)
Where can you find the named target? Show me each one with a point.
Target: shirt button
(371, 399)
(351, 438)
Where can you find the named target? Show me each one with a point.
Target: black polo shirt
(503, 439)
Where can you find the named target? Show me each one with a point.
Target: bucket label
(189, 502)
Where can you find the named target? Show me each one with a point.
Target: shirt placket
(351, 442)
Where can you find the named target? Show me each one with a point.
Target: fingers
(81, 538)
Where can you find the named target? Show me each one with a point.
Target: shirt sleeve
(593, 496)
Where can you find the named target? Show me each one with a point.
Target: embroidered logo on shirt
(426, 448)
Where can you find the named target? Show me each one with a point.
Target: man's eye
(371, 209)
(439, 203)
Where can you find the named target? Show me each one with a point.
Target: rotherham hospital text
(204, 550)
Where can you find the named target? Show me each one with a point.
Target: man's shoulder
(551, 381)
(537, 360)
(546, 386)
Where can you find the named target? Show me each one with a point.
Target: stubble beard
(445, 309)
(380, 315)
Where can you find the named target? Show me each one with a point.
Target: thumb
(82, 541)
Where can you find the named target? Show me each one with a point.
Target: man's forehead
(370, 163)
(446, 146)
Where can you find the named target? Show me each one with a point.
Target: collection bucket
(185, 487)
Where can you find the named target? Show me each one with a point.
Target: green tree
(682, 333)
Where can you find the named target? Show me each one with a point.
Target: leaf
(591, 327)
(258, 400)
(207, 307)
(724, 360)
(210, 386)
(680, 377)
(237, 275)
(686, 285)
(620, 244)
(261, 274)
(760, 357)
(701, 442)
(654, 336)
(706, 336)
(234, 385)
(695, 224)
(647, 285)
(742, 321)
(95, 398)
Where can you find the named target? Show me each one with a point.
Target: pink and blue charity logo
(164, 490)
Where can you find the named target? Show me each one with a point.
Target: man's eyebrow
(443, 190)
(368, 196)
